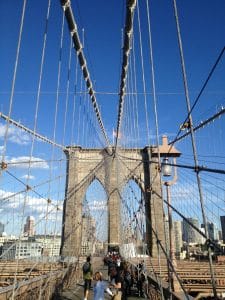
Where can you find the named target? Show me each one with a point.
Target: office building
(2, 228)
(222, 220)
(50, 244)
(29, 227)
(190, 234)
(178, 243)
(212, 231)
(23, 249)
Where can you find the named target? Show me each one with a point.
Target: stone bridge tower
(113, 171)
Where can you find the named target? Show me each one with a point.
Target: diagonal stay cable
(184, 166)
(128, 30)
(199, 94)
(30, 131)
(200, 125)
(159, 244)
(83, 64)
(193, 143)
(131, 172)
(28, 188)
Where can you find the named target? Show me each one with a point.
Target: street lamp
(170, 173)
(168, 152)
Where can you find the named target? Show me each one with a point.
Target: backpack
(86, 267)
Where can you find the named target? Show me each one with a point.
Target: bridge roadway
(77, 291)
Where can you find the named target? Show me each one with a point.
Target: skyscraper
(220, 236)
(190, 235)
(222, 220)
(29, 227)
(177, 225)
(212, 231)
(2, 227)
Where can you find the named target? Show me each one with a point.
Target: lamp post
(167, 152)
(172, 175)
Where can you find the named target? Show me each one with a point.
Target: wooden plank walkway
(77, 293)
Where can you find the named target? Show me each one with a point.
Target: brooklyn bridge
(112, 143)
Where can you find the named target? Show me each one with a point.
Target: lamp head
(166, 168)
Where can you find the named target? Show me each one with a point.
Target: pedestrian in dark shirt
(87, 276)
(116, 283)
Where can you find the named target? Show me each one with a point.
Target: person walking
(87, 276)
(116, 283)
(100, 287)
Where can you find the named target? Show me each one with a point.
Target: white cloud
(37, 207)
(4, 194)
(15, 135)
(23, 162)
(26, 176)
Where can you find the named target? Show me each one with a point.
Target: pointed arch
(137, 180)
(96, 177)
(133, 216)
(94, 218)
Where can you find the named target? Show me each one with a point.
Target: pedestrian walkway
(76, 292)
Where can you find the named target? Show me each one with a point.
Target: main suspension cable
(128, 31)
(83, 64)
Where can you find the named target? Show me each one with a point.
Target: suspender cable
(194, 145)
(143, 76)
(128, 30)
(83, 64)
(14, 78)
(156, 129)
(74, 103)
(32, 146)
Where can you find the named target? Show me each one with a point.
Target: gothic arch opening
(94, 220)
(133, 220)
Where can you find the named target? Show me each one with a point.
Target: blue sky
(203, 31)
